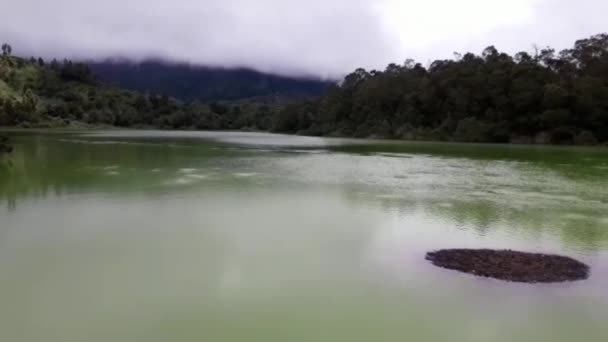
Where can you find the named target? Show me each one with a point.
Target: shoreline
(84, 127)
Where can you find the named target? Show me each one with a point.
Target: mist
(322, 38)
(315, 37)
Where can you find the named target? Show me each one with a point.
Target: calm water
(155, 236)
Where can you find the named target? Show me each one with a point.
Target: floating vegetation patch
(510, 265)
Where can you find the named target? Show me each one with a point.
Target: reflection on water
(181, 236)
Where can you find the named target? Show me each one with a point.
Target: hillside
(35, 93)
(187, 82)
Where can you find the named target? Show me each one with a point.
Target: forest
(538, 97)
(543, 97)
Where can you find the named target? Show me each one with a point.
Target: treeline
(543, 97)
(539, 97)
(35, 93)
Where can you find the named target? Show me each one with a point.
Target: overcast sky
(325, 38)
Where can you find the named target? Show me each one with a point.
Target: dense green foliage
(189, 82)
(38, 94)
(495, 97)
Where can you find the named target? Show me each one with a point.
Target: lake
(152, 236)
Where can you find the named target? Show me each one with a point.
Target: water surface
(196, 236)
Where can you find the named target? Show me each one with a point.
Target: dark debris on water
(510, 265)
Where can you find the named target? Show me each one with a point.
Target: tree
(55, 65)
(7, 50)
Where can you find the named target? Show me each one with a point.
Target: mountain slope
(204, 84)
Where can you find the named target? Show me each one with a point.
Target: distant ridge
(188, 82)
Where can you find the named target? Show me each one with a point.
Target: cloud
(314, 37)
(435, 29)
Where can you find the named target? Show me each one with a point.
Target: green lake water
(128, 236)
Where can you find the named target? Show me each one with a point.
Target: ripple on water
(311, 151)
(394, 155)
(574, 216)
(197, 176)
(389, 196)
(187, 179)
(244, 174)
(187, 170)
(180, 181)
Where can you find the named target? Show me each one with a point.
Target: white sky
(314, 37)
